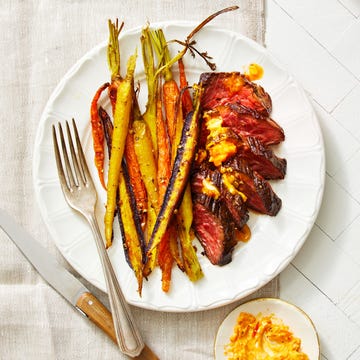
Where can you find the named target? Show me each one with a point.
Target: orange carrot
(173, 113)
(98, 134)
(135, 177)
(164, 169)
(165, 258)
(186, 101)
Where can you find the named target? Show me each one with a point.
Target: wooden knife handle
(101, 317)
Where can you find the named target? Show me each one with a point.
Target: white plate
(274, 241)
(298, 321)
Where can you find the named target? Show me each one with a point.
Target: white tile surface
(330, 269)
(338, 209)
(319, 43)
(347, 112)
(321, 74)
(348, 176)
(355, 355)
(349, 240)
(350, 304)
(354, 7)
(339, 337)
(340, 144)
(347, 48)
(325, 20)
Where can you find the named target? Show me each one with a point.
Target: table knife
(63, 281)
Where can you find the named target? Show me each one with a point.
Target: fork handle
(127, 334)
(101, 316)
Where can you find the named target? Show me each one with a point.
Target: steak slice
(217, 214)
(261, 159)
(223, 143)
(247, 122)
(217, 241)
(222, 88)
(260, 195)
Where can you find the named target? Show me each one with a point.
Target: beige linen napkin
(40, 41)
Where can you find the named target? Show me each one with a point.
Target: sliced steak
(215, 235)
(222, 88)
(261, 159)
(236, 207)
(234, 161)
(260, 195)
(217, 214)
(247, 122)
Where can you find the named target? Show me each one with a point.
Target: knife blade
(63, 281)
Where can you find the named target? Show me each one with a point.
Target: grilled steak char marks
(262, 159)
(233, 88)
(260, 195)
(247, 122)
(218, 215)
(234, 161)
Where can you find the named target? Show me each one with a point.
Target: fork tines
(75, 172)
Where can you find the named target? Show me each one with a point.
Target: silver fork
(80, 193)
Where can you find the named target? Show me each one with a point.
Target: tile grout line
(342, 99)
(312, 283)
(355, 350)
(335, 304)
(346, 8)
(342, 187)
(342, 231)
(318, 42)
(334, 118)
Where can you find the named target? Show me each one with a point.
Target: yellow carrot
(145, 156)
(149, 67)
(184, 218)
(124, 100)
(131, 241)
(148, 168)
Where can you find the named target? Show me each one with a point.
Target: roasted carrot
(185, 213)
(123, 106)
(165, 258)
(113, 57)
(186, 101)
(184, 218)
(171, 93)
(107, 126)
(163, 158)
(148, 169)
(135, 177)
(130, 229)
(149, 67)
(145, 156)
(173, 111)
(129, 218)
(179, 174)
(168, 247)
(98, 134)
(165, 255)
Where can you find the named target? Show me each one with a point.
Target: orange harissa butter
(263, 338)
(254, 72)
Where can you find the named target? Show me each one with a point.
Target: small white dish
(298, 321)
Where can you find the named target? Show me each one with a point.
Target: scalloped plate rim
(174, 307)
